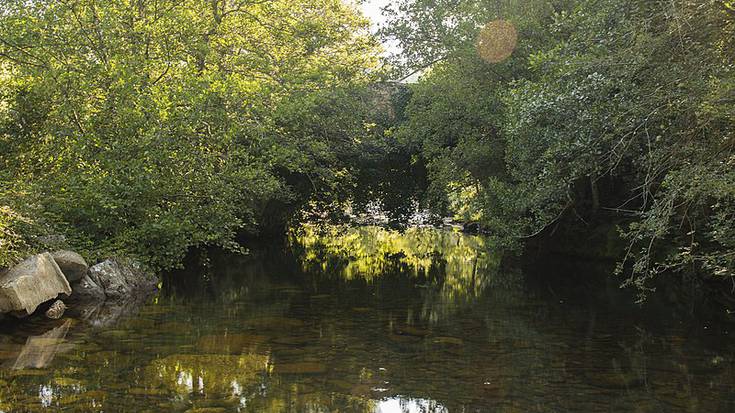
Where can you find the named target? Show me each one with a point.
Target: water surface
(369, 320)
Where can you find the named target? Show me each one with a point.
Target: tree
(148, 127)
(604, 112)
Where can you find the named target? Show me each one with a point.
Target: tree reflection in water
(449, 267)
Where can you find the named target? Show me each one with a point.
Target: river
(371, 320)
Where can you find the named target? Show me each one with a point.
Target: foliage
(12, 244)
(25, 226)
(604, 110)
(151, 127)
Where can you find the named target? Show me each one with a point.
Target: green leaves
(603, 107)
(148, 128)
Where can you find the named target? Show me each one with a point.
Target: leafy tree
(150, 127)
(605, 111)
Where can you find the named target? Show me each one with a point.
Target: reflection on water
(185, 374)
(370, 252)
(39, 351)
(368, 320)
(452, 267)
(402, 405)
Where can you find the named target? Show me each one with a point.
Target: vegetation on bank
(607, 111)
(148, 128)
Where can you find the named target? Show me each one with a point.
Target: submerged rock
(72, 264)
(67, 382)
(230, 343)
(207, 410)
(275, 323)
(32, 282)
(121, 278)
(454, 341)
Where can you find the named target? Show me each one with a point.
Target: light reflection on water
(401, 405)
(367, 320)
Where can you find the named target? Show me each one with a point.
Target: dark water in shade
(366, 320)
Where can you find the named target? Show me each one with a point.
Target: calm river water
(369, 320)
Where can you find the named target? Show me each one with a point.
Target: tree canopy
(606, 112)
(153, 126)
(150, 127)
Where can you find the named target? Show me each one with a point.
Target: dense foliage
(148, 127)
(607, 111)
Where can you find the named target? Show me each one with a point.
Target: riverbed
(372, 320)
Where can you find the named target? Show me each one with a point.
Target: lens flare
(496, 41)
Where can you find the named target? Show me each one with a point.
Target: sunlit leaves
(152, 127)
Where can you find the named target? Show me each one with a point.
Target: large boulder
(86, 289)
(121, 278)
(30, 283)
(72, 264)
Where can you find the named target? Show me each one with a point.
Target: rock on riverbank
(44, 277)
(120, 278)
(72, 264)
(32, 282)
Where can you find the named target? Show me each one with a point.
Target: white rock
(30, 283)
